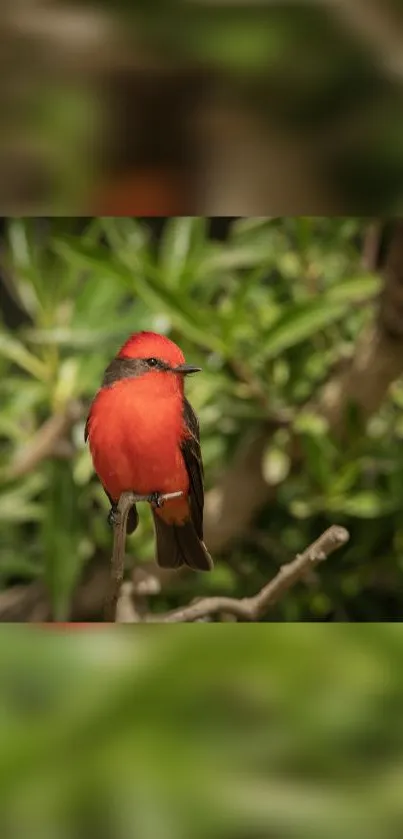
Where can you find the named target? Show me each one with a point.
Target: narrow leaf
(192, 321)
(14, 351)
(182, 239)
(300, 322)
(355, 289)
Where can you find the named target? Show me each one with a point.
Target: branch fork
(244, 609)
(119, 521)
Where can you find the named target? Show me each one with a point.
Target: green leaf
(61, 538)
(33, 268)
(194, 322)
(345, 478)
(125, 233)
(365, 505)
(182, 241)
(236, 257)
(305, 319)
(17, 512)
(96, 301)
(356, 289)
(222, 578)
(307, 422)
(318, 454)
(16, 352)
(13, 565)
(299, 323)
(18, 502)
(243, 226)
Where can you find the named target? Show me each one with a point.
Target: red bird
(144, 437)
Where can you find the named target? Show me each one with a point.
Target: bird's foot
(156, 500)
(113, 516)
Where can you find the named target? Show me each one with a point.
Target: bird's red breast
(135, 430)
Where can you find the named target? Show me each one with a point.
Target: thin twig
(126, 501)
(253, 608)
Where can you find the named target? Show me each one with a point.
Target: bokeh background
(197, 732)
(298, 326)
(204, 108)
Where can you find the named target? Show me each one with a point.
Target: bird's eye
(152, 362)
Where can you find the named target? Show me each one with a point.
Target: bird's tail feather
(179, 544)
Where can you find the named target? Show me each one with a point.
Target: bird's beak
(185, 369)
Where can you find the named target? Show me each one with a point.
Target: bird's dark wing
(192, 456)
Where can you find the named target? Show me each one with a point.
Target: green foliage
(292, 731)
(269, 314)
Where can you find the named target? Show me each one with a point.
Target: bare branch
(253, 608)
(126, 501)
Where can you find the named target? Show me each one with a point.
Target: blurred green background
(203, 108)
(246, 732)
(295, 322)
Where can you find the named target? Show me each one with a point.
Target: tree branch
(126, 501)
(253, 608)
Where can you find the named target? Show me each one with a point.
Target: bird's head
(148, 352)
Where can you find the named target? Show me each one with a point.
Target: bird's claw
(156, 500)
(113, 516)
